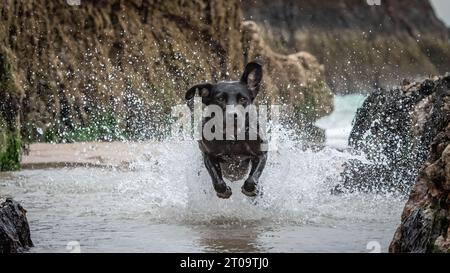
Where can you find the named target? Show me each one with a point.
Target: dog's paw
(252, 193)
(226, 194)
(249, 188)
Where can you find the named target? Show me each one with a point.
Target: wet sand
(87, 154)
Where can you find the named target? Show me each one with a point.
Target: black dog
(232, 158)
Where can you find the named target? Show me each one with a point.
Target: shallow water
(165, 203)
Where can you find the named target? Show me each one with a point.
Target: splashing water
(165, 202)
(339, 125)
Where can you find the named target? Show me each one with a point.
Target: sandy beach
(87, 154)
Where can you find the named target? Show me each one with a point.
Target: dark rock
(14, 229)
(425, 225)
(394, 130)
(417, 228)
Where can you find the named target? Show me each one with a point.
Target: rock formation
(9, 117)
(296, 78)
(361, 46)
(14, 229)
(113, 63)
(394, 129)
(131, 59)
(425, 225)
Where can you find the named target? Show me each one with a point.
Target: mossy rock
(10, 149)
(10, 141)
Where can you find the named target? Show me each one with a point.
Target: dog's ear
(252, 77)
(204, 90)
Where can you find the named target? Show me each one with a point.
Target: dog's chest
(231, 149)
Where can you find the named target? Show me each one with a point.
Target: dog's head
(233, 93)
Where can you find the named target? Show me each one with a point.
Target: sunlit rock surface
(361, 46)
(14, 229)
(393, 130)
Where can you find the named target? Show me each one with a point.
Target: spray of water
(169, 185)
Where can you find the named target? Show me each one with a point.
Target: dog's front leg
(258, 163)
(213, 167)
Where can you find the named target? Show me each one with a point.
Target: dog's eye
(242, 100)
(220, 99)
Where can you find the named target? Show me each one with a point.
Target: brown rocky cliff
(130, 58)
(125, 63)
(297, 78)
(425, 225)
(361, 46)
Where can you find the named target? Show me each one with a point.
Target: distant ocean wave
(338, 125)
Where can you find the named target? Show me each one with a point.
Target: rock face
(405, 135)
(361, 46)
(297, 79)
(394, 130)
(425, 223)
(113, 63)
(113, 69)
(14, 229)
(9, 118)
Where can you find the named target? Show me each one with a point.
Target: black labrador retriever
(226, 157)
